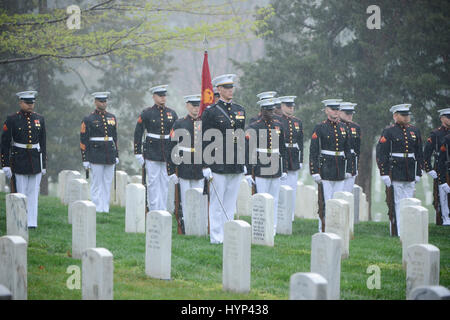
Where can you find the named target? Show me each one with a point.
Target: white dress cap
(287, 99)
(266, 102)
(267, 94)
(192, 98)
(27, 94)
(157, 89)
(347, 106)
(404, 107)
(223, 79)
(444, 111)
(332, 102)
(101, 95)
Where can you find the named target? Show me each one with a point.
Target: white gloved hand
(140, 158)
(283, 176)
(432, 174)
(356, 174)
(117, 160)
(8, 172)
(417, 179)
(446, 187)
(301, 165)
(250, 180)
(386, 180)
(174, 179)
(207, 173)
(348, 175)
(317, 178)
(44, 172)
(245, 170)
(86, 165)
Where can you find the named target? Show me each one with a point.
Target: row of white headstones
(420, 259)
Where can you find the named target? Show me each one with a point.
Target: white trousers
(186, 184)
(349, 183)
(272, 187)
(402, 190)
(291, 181)
(444, 206)
(29, 186)
(223, 190)
(157, 184)
(329, 188)
(102, 177)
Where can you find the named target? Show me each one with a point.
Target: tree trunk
(364, 178)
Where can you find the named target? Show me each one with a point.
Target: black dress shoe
(31, 227)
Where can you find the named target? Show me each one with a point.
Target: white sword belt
(333, 153)
(27, 146)
(185, 149)
(267, 150)
(101, 139)
(403, 155)
(158, 136)
(291, 145)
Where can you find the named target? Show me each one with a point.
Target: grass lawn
(197, 265)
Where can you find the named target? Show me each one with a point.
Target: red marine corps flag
(207, 88)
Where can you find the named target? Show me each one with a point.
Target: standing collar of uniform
(26, 113)
(444, 128)
(96, 111)
(159, 107)
(332, 122)
(192, 119)
(224, 103)
(401, 126)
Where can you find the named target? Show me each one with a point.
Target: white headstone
(347, 196)
(357, 195)
(16, 215)
(307, 286)
(5, 293)
(336, 221)
(236, 256)
(136, 179)
(62, 184)
(326, 261)
(422, 266)
(158, 244)
(135, 208)
(262, 219)
(415, 228)
(284, 215)
(195, 212)
(298, 202)
(171, 197)
(2, 181)
(363, 208)
(13, 266)
(97, 274)
(83, 227)
(403, 204)
(70, 175)
(306, 202)
(243, 205)
(121, 185)
(429, 293)
(77, 189)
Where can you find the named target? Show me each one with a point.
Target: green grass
(197, 265)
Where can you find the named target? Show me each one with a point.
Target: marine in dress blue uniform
(99, 150)
(402, 143)
(24, 151)
(156, 121)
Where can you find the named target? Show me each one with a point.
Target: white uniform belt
(333, 153)
(26, 146)
(186, 149)
(290, 145)
(101, 139)
(158, 136)
(268, 150)
(403, 155)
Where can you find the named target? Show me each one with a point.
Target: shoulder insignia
(5, 128)
(383, 139)
(139, 119)
(314, 136)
